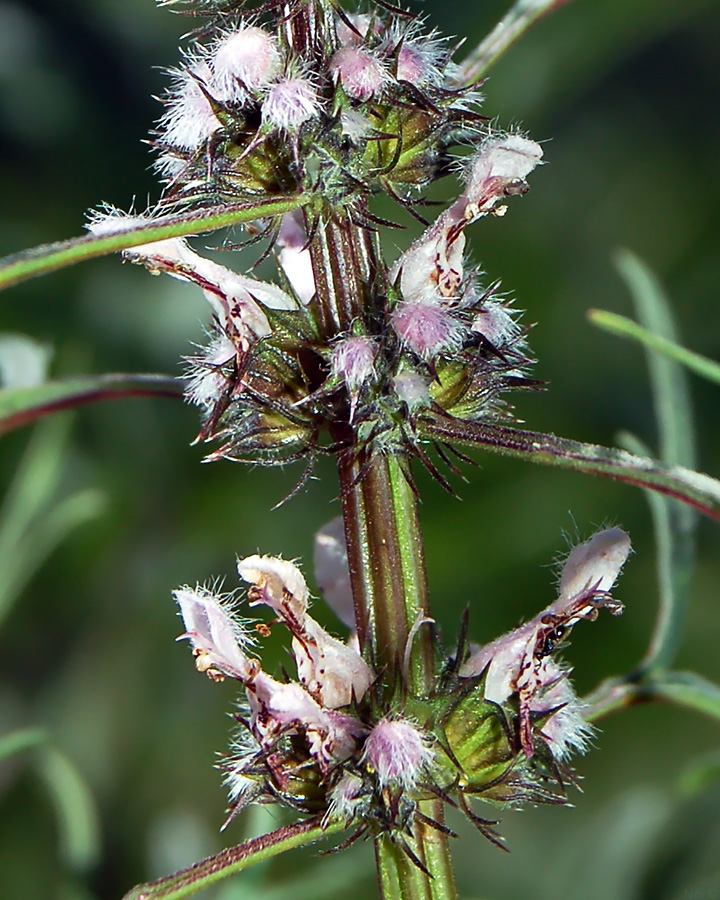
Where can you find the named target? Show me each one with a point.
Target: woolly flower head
(290, 103)
(243, 61)
(361, 74)
(396, 750)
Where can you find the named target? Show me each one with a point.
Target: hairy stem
(235, 859)
(385, 550)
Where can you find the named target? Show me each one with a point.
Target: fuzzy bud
(353, 360)
(289, 104)
(495, 324)
(412, 389)
(415, 65)
(361, 74)
(189, 119)
(345, 797)
(244, 61)
(396, 751)
(426, 329)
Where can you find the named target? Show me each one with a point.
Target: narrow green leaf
(51, 257)
(78, 820)
(23, 405)
(519, 19)
(693, 488)
(674, 539)
(626, 328)
(689, 690)
(681, 688)
(671, 394)
(674, 523)
(701, 773)
(19, 741)
(235, 859)
(33, 485)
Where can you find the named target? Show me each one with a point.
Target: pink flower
(427, 329)
(217, 635)
(332, 572)
(361, 74)
(290, 103)
(244, 61)
(397, 752)
(332, 672)
(294, 256)
(521, 662)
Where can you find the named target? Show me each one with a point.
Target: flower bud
(412, 389)
(353, 360)
(289, 104)
(361, 74)
(244, 61)
(427, 329)
(189, 119)
(396, 750)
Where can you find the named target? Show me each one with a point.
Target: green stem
(235, 859)
(521, 17)
(384, 544)
(387, 566)
(51, 257)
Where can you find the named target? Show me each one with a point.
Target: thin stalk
(385, 551)
(519, 19)
(235, 859)
(387, 566)
(344, 267)
(51, 257)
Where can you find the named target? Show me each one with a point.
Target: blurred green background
(627, 97)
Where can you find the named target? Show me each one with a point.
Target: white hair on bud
(290, 103)
(279, 581)
(243, 61)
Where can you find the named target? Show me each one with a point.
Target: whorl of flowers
(330, 112)
(500, 725)
(319, 111)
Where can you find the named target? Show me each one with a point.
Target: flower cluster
(326, 110)
(500, 723)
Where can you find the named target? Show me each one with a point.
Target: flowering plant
(291, 121)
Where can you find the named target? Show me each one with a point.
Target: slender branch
(520, 18)
(20, 406)
(51, 257)
(686, 689)
(235, 859)
(693, 488)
